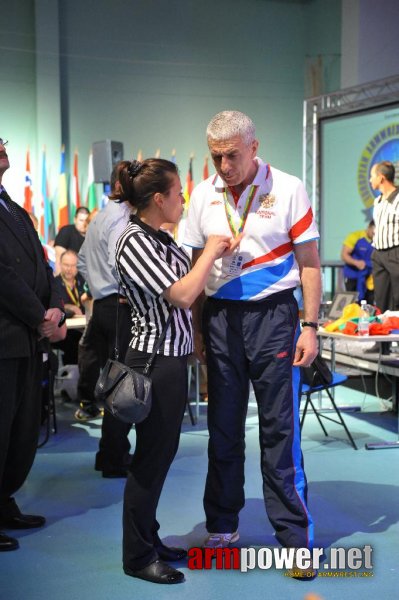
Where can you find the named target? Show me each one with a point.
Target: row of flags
(53, 212)
(189, 185)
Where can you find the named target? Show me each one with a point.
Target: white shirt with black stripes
(386, 218)
(148, 262)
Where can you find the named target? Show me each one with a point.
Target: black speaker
(105, 156)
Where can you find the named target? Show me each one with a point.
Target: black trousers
(254, 341)
(157, 440)
(20, 416)
(89, 367)
(386, 278)
(69, 346)
(99, 344)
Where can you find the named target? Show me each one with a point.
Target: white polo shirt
(274, 213)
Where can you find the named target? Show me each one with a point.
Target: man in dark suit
(31, 310)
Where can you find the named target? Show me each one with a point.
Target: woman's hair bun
(134, 168)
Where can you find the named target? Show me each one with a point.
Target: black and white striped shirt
(386, 218)
(148, 262)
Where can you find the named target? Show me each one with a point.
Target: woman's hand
(234, 243)
(221, 245)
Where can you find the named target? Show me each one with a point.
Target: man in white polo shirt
(251, 329)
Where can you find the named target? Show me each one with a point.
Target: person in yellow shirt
(356, 253)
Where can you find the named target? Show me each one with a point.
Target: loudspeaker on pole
(105, 156)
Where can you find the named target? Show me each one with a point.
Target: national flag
(91, 199)
(45, 214)
(188, 188)
(157, 153)
(51, 227)
(75, 195)
(205, 170)
(28, 185)
(63, 216)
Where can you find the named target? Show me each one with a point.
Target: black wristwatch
(62, 320)
(310, 324)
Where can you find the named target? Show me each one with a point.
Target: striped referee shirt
(148, 262)
(386, 218)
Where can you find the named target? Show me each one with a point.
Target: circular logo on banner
(384, 145)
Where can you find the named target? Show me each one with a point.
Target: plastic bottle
(363, 324)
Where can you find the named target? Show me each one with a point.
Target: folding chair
(307, 391)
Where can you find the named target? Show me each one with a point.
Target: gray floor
(353, 496)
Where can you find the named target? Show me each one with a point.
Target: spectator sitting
(71, 237)
(71, 287)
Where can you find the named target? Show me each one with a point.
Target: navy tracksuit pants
(255, 342)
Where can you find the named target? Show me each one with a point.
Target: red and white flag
(28, 185)
(75, 195)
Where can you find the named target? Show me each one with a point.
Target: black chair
(50, 368)
(308, 390)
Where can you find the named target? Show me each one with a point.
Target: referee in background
(385, 258)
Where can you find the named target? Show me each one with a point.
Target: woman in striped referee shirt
(156, 278)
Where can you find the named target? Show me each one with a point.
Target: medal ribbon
(229, 212)
(72, 292)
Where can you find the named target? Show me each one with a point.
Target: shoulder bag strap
(157, 343)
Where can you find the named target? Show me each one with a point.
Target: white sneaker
(221, 540)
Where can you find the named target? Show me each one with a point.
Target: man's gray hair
(228, 124)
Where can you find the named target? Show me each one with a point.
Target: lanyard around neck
(72, 292)
(229, 212)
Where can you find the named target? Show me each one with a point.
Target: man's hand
(361, 264)
(76, 310)
(306, 348)
(49, 325)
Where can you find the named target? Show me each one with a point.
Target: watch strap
(62, 320)
(310, 324)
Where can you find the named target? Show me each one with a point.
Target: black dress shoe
(170, 554)
(102, 464)
(7, 543)
(20, 521)
(114, 473)
(157, 572)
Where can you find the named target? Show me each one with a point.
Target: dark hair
(81, 209)
(371, 224)
(122, 164)
(139, 181)
(387, 169)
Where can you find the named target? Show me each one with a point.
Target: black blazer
(27, 286)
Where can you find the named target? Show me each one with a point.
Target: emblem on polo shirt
(216, 202)
(267, 200)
